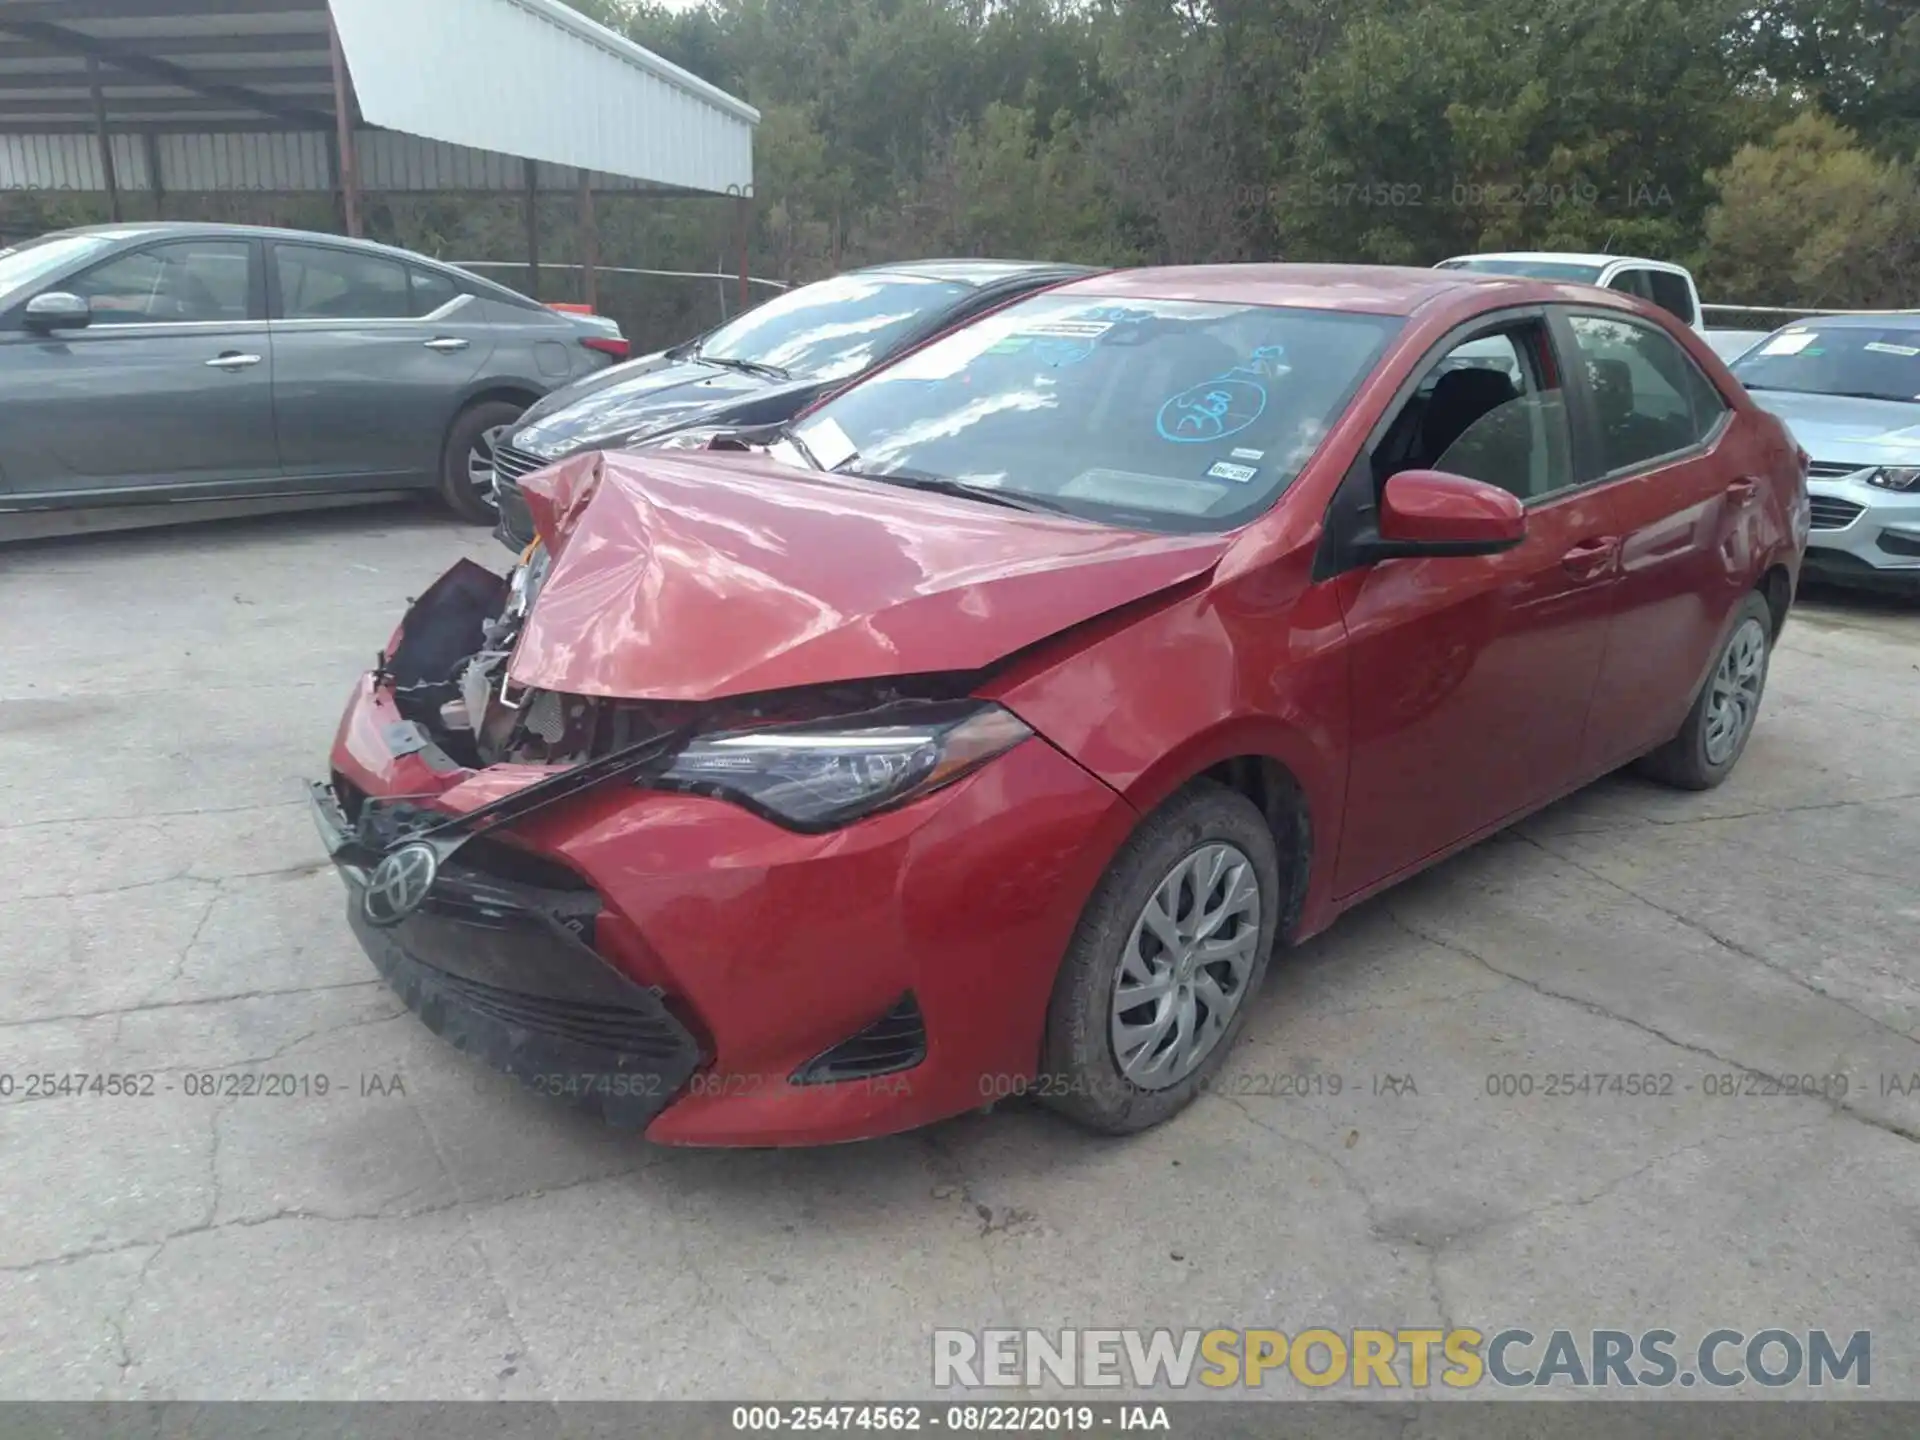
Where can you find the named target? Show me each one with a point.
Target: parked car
(763, 366)
(982, 732)
(1658, 282)
(154, 372)
(1849, 387)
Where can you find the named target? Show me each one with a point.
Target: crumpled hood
(699, 576)
(646, 395)
(1843, 429)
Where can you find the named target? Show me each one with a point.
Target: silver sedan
(163, 372)
(1848, 387)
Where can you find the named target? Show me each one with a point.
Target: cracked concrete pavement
(425, 1229)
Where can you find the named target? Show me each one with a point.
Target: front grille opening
(1830, 513)
(896, 1041)
(512, 464)
(1833, 470)
(503, 861)
(1899, 545)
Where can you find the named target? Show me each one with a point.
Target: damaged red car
(984, 730)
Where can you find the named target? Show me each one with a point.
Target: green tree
(1813, 218)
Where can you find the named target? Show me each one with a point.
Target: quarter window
(188, 280)
(1651, 398)
(320, 283)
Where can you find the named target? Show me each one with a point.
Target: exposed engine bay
(449, 675)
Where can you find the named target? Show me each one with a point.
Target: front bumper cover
(505, 969)
(1878, 542)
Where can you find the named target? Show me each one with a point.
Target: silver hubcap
(1184, 972)
(1734, 698)
(480, 461)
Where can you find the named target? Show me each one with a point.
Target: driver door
(1472, 677)
(169, 385)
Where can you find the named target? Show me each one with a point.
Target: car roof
(1367, 289)
(977, 273)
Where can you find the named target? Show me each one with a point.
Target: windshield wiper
(964, 489)
(745, 367)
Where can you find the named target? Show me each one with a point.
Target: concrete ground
(168, 912)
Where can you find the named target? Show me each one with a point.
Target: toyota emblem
(400, 883)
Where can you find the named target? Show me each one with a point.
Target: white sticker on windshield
(1227, 470)
(1068, 329)
(1249, 454)
(1791, 343)
(828, 442)
(1883, 347)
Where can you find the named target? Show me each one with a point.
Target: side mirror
(57, 310)
(1432, 513)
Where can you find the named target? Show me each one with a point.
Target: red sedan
(983, 731)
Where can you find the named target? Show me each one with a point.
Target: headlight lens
(1896, 477)
(820, 775)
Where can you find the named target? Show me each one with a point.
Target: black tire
(1687, 761)
(457, 491)
(1080, 1071)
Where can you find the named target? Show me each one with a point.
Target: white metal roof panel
(536, 79)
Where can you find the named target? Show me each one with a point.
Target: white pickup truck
(1669, 286)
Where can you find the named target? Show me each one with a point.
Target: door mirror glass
(1430, 512)
(57, 310)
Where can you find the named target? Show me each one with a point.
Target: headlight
(822, 774)
(1896, 477)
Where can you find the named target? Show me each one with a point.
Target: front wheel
(1157, 981)
(1716, 730)
(466, 467)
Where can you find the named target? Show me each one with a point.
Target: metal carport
(350, 96)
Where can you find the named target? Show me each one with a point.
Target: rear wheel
(1155, 985)
(1716, 731)
(466, 468)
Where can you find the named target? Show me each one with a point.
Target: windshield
(1880, 363)
(26, 265)
(1157, 414)
(1533, 269)
(833, 328)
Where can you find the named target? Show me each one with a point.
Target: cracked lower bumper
(505, 969)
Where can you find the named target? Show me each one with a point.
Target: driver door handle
(447, 344)
(1742, 491)
(1590, 558)
(232, 360)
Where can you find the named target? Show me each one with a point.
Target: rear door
(1686, 502)
(372, 356)
(170, 385)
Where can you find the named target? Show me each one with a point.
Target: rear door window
(430, 289)
(1632, 282)
(318, 282)
(1672, 294)
(1650, 398)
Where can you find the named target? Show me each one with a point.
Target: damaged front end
(587, 812)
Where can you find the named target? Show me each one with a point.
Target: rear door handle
(447, 344)
(1589, 559)
(232, 360)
